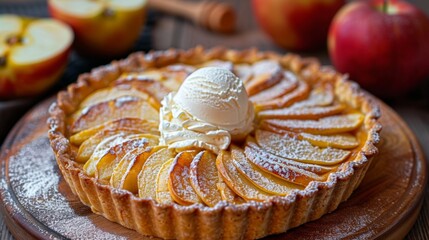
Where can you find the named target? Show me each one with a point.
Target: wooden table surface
(172, 32)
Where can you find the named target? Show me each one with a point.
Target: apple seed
(12, 40)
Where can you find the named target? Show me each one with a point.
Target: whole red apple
(296, 25)
(383, 45)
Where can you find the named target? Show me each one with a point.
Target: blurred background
(240, 24)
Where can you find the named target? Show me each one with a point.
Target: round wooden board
(37, 203)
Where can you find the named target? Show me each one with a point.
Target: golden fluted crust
(225, 220)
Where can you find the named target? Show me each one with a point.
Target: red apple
(296, 25)
(33, 54)
(102, 28)
(382, 45)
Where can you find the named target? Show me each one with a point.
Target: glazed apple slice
(266, 73)
(132, 124)
(302, 113)
(204, 177)
(320, 95)
(105, 165)
(267, 182)
(299, 150)
(226, 193)
(179, 180)
(163, 194)
(152, 87)
(105, 148)
(244, 72)
(111, 93)
(123, 107)
(147, 177)
(286, 85)
(236, 181)
(86, 149)
(326, 125)
(124, 175)
(253, 150)
(301, 92)
(342, 140)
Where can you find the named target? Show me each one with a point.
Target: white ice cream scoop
(216, 96)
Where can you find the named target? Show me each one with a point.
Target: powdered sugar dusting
(42, 192)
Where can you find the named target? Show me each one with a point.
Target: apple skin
(22, 80)
(101, 37)
(296, 25)
(386, 53)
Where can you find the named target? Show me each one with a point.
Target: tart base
(249, 220)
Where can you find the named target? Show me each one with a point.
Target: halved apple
(33, 54)
(147, 177)
(102, 28)
(204, 177)
(179, 180)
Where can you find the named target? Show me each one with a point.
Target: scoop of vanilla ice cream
(216, 96)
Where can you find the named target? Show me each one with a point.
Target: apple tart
(209, 144)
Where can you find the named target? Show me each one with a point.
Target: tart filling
(244, 129)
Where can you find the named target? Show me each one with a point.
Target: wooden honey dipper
(218, 17)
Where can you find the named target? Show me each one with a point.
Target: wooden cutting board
(37, 203)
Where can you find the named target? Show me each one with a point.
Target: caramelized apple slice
(148, 175)
(122, 107)
(227, 194)
(124, 175)
(103, 146)
(299, 150)
(343, 140)
(253, 150)
(163, 194)
(179, 181)
(204, 176)
(86, 149)
(244, 72)
(238, 183)
(286, 85)
(327, 125)
(131, 124)
(105, 165)
(266, 73)
(152, 87)
(265, 181)
(320, 95)
(111, 93)
(302, 113)
(301, 92)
